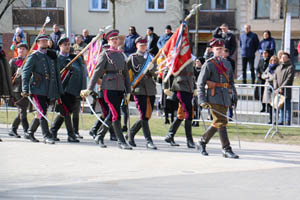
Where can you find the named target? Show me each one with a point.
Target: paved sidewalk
(85, 171)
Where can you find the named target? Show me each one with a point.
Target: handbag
(280, 99)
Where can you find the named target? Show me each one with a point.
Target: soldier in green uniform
(73, 81)
(41, 80)
(20, 102)
(217, 74)
(115, 84)
(182, 89)
(144, 92)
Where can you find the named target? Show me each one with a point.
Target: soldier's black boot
(121, 140)
(99, 139)
(206, 138)
(71, 136)
(112, 134)
(76, 127)
(172, 131)
(45, 131)
(133, 131)
(147, 135)
(188, 131)
(32, 129)
(59, 120)
(25, 127)
(94, 129)
(14, 128)
(227, 151)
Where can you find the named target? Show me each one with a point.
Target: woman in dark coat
(267, 43)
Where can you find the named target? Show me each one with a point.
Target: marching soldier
(217, 74)
(20, 102)
(41, 80)
(73, 81)
(183, 88)
(115, 84)
(144, 93)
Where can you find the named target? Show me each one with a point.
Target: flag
(143, 71)
(177, 51)
(93, 56)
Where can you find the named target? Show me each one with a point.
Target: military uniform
(20, 102)
(113, 71)
(73, 83)
(41, 79)
(217, 74)
(183, 87)
(144, 95)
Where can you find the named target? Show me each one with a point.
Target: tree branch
(8, 4)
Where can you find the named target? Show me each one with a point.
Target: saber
(39, 111)
(236, 128)
(81, 115)
(6, 108)
(90, 106)
(202, 119)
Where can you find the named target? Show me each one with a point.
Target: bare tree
(4, 5)
(113, 2)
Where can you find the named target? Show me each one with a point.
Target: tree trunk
(114, 13)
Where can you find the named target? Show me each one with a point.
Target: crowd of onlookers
(274, 69)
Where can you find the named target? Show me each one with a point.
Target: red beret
(217, 43)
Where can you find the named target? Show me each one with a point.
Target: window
(99, 5)
(155, 5)
(42, 3)
(262, 9)
(293, 6)
(1, 40)
(214, 5)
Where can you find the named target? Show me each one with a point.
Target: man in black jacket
(152, 39)
(229, 38)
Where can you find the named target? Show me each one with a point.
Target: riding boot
(224, 137)
(45, 131)
(14, 128)
(121, 140)
(76, 127)
(25, 126)
(56, 126)
(147, 135)
(205, 139)
(94, 129)
(32, 129)
(71, 136)
(99, 139)
(112, 134)
(133, 131)
(188, 131)
(172, 131)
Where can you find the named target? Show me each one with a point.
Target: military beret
(111, 34)
(217, 43)
(141, 40)
(62, 40)
(23, 45)
(42, 37)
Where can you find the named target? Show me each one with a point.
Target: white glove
(19, 71)
(205, 105)
(168, 92)
(128, 98)
(195, 93)
(150, 66)
(85, 93)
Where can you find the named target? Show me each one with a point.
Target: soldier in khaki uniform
(144, 92)
(183, 88)
(217, 74)
(115, 84)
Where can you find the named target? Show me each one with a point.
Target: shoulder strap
(218, 66)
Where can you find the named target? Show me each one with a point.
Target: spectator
(86, 37)
(20, 33)
(79, 43)
(129, 43)
(261, 68)
(229, 38)
(51, 44)
(165, 37)
(267, 43)
(268, 76)
(55, 36)
(226, 56)
(249, 44)
(197, 69)
(284, 76)
(14, 45)
(208, 51)
(152, 39)
(279, 55)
